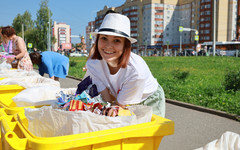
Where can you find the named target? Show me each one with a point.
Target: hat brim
(132, 40)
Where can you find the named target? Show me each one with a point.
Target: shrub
(180, 75)
(73, 63)
(232, 80)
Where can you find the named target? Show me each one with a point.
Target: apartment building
(155, 23)
(89, 39)
(62, 33)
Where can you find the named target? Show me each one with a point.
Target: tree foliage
(25, 19)
(42, 25)
(27, 23)
(35, 32)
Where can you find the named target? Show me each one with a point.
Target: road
(193, 128)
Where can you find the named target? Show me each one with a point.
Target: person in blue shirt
(52, 63)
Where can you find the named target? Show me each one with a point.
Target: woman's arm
(20, 45)
(107, 97)
(110, 98)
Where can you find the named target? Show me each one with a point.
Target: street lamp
(181, 30)
(214, 27)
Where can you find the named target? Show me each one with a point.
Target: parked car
(77, 54)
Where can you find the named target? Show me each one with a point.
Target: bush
(232, 80)
(73, 63)
(180, 75)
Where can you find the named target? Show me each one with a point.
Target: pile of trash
(85, 101)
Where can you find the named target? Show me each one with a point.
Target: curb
(72, 77)
(203, 109)
(68, 76)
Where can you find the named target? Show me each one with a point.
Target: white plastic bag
(4, 66)
(49, 122)
(16, 73)
(30, 81)
(36, 96)
(228, 141)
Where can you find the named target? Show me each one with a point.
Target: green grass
(195, 80)
(75, 69)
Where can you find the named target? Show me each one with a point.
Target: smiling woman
(121, 76)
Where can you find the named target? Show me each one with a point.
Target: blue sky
(76, 13)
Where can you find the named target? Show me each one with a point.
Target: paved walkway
(193, 129)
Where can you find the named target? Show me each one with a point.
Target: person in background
(1, 46)
(18, 48)
(52, 63)
(7, 45)
(121, 76)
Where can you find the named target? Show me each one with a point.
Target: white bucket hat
(116, 25)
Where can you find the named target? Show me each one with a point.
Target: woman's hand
(52, 77)
(106, 96)
(111, 111)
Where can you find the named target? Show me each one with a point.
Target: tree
(53, 39)
(25, 20)
(17, 24)
(42, 25)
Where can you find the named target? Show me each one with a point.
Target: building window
(159, 11)
(134, 18)
(207, 12)
(207, 19)
(126, 9)
(208, 6)
(159, 16)
(134, 13)
(207, 25)
(207, 38)
(133, 7)
(206, 31)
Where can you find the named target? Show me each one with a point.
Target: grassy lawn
(195, 80)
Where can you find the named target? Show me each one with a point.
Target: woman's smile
(108, 52)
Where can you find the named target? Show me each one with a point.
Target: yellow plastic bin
(7, 92)
(145, 136)
(6, 117)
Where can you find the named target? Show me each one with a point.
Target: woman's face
(111, 48)
(5, 38)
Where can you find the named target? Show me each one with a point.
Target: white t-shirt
(130, 85)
